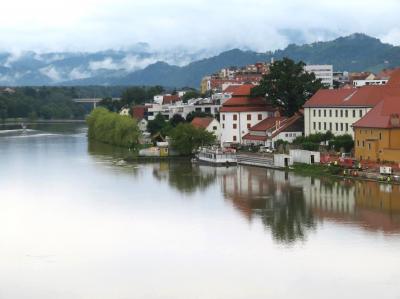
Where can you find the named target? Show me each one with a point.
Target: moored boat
(217, 156)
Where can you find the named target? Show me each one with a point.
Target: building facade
(323, 72)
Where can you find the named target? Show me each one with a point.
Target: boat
(217, 156)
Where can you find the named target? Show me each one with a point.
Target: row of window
(329, 126)
(341, 112)
(234, 126)
(235, 117)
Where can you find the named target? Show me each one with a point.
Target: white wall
(215, 127)
(325, 119)
(228, 132)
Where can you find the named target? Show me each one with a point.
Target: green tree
(342, 142)
(155, 126)
(191, 94)
(176, 120)
(288, 86)
(112, 128)
(194, 114)
(186, 138)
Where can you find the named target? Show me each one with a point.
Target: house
(124, 111)
(337, 110)
(377, 134)
(242, 112)
(209, 124)
(139, 113)
(271, 129)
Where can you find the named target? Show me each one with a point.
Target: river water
(78, 222)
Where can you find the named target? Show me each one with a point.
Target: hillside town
(361, 108)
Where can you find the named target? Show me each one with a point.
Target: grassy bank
(316, 170)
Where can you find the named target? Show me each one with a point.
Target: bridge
(93, 101)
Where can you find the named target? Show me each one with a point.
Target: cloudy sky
(89, 25)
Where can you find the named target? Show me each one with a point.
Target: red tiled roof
(385, 74)
(170, 99)
(394, 80)
(202, 122)
(270, 123)
(231, 88)
(248, 136)
(243, 90)
(366, 96)
(267, 123)
(138, 112)
(381, 114)
(245, 101)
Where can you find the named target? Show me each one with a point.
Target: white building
(360, 83)
(168, 111)
(240, 113)
(323, 72)
(336, 110)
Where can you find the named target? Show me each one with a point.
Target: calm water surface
(77, 222)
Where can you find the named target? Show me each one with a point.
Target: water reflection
(185, 176)
(291, 205)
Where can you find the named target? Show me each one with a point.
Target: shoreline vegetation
(112, 128)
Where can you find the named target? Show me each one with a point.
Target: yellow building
(377, 134)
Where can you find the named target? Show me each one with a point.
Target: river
(78, 222)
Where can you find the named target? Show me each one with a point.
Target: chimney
(394, 120)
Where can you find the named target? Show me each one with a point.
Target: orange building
(377, 134)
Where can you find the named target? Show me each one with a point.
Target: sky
(91, 25)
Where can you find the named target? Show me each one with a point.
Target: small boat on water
(217, 156)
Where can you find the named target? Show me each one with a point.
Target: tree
(112, 128)
(288, 86)
(342, 142)
(176, 120)
(191, 94)
(186, 138)
(194, 114)
(156, 125)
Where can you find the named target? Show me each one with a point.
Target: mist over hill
(141, 66)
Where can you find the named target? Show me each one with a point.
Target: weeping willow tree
(112, 128)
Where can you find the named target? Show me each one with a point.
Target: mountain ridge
(356, 52)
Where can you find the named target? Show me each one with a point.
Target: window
(248, 126)
(337, 127)
(235, 117)
(315, 125)
(324, 113)
(347, 127)
(369, 146)
(223, 116)
(330, 113)
(358, 142)
(354, 113)
(363, 143)
(319, 113)
(223, 126)
(341, 113)
(319, 126)
(234, 138)
(336, 113)
(315, 112)
(260, 117)
(235, 126)
(325, 126)
(214, 128)
(248, 116)
(380, 136)
(341, 126)
(330, 126)
(346, 113)
(360, 113)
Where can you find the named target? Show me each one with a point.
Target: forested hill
(357, 52)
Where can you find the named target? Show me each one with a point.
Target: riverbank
(319, 170)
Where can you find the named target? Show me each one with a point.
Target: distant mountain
(141, 66)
